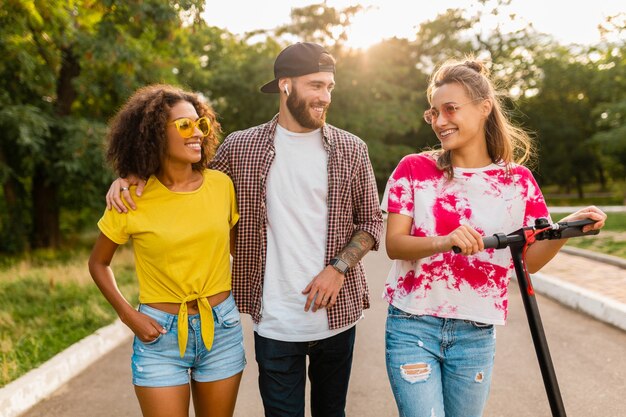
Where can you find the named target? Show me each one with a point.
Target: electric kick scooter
(518, 242)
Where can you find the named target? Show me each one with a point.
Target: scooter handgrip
(491, 241)
(577, 231)
(577, 223)
(574, 228)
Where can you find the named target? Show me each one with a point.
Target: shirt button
(194, 321)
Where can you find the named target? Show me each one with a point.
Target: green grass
(615, 222)
(614, 200)
(50, 304)
(613, 194)
(604, 243)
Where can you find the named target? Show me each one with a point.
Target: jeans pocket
(395, 312)
(152, 342)
(231, 318)
(165, 320)
(480, 325)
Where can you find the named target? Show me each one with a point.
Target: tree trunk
(45, 196)
(66, 93)
(16, 238)
(579, 187)
(46, 231)
(602, 179)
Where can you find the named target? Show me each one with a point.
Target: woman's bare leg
(164, 401)
(217, 398)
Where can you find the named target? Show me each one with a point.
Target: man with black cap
(308, 213)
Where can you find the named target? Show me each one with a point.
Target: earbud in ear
(286, 89)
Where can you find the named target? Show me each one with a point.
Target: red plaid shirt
(246, 156)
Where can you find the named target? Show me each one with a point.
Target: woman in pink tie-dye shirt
(440, 336)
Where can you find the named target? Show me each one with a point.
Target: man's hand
(120, 187)
(324, 289)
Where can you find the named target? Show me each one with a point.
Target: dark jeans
(282, 374)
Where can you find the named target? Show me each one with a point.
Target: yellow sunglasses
(187, 127)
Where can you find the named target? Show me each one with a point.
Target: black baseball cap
(301, 58)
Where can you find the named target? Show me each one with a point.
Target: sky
(569, 21)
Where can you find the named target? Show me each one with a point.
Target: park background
(67, 66)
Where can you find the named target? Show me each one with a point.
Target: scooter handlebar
(575, 229)
(492, 241)
(565, 230)
(497, 241)
(575, 232)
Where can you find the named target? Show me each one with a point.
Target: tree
(560, 115)
(379, 92)
(229, 71)
(66, 66)
(320, 23)
(610, 79)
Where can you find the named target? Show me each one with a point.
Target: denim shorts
(158, 363)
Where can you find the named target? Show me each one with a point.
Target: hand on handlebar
(465, 240)
(587, 221)
(590, 212)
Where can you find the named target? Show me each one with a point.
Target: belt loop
(218, 315)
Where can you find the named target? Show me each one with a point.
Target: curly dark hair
(137, 140)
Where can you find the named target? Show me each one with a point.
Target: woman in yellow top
(188, 337)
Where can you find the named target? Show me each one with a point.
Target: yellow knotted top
(207, 327)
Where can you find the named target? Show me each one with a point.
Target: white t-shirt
(297, 221)
(490, 200)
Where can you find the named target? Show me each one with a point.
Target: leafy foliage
(68, 65)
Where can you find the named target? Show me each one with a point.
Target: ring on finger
(124, 189)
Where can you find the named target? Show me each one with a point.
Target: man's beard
(300, 110)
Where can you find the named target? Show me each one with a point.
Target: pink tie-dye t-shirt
(488, 199)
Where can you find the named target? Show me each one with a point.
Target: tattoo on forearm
(359, 245)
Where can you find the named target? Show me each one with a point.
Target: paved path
(600, 278)
(589, 358)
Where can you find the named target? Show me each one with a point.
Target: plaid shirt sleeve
(220, 160)
(352, 205)
(365, 206)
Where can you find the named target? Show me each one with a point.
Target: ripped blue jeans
(438, 367)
